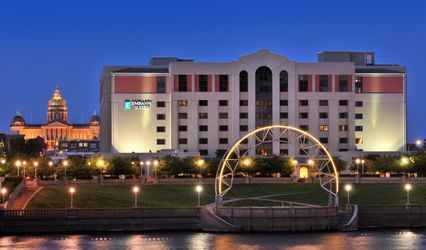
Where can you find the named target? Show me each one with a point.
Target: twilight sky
(44, 43)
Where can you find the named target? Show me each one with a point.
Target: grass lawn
(97, 196)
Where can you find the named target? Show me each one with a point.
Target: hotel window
(202, 128)
(223, 83)
(223, 102)
(323, 83)
(183, 103)
(303, 83)
(223, 115)
(243, 81)
(161, 104)
(223, 128)
(183, 128)
(359, 140)
(203, 141)
(243, 115)
(283, 81)
(161, 116)
(183, 141)
(204, 152)
(323, 102)
(358, 84)
(243, 128)
(283, 151)
(203, 115)
(161, 129)
(203, 103)
(343, 102)
(343, 83)
(223, 140)
(343, 140)
(323, 139)
(283, 115)
(323, 115)
(343, 149)
(183, 115)
(304, 127)
(358, 104)
(161, 84)
(203, 83)
(343, 127)
(283, 102)
(359, 116)
(303, 115)
(183, 83)
(303, 102)
(343, 115)
(243, 102)
(323, 128)
(359, 128)
(161, 141)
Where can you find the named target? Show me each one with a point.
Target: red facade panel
(136, 84)
(383, 84)
(176, 83)
(189, 83)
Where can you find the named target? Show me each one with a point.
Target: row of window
(224, 141)
(184, 103)
(203, 83)
(244, 115)
(224, 128)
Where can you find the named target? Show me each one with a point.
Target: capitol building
(58, 133)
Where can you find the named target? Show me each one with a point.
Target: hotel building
(345, 100)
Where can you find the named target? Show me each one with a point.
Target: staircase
(25, 196)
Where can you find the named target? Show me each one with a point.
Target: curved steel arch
(327, 171)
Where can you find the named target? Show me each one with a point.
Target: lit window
(359, 141)
(323, 127)
(183, 103)
(343, 128)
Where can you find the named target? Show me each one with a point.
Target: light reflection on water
(389, 239)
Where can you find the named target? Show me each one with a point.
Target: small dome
(57, 99)
(94, 118)
(18, 119)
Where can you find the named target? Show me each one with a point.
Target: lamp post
(24, 163)
(3, 193)
(199, 189)
(135, 191)
(18, 164)
(362, 165)
(200, 163)
(156, 163)
(357, 161)
(65, 164)
(72, 191)
(348, 188)
(100, 164)
(408, 188)
(141, 164)
(148, 163)
(3, 161)
(35, 170)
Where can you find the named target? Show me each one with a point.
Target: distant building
(57, 128)
(346, 100)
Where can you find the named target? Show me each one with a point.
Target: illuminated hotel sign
(137, 104)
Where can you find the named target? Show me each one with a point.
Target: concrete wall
(278, 219)
(391, 216)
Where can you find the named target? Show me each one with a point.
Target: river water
(373, 239)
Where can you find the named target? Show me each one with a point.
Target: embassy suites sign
(137, 104)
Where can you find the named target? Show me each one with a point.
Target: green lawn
(97, 196)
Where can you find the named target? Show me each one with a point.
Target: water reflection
(389, 239)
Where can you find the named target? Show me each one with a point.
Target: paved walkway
(25, 196)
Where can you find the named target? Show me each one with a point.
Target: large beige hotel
(346, 100)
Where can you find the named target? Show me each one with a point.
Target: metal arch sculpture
(326, 169)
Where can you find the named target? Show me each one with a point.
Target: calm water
(390, 239)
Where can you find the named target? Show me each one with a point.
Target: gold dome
(57, 99)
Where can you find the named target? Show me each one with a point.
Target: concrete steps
(25, 196)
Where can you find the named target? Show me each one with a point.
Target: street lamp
(156, 163)
(148, 163)
(35, 169)
(3, 192)
(65, 164)
(348, 188)
(405, 161)
(72, 191)
(100, 164)
(24, 163)
(199, 189)
(3, 161)
(357, 161)
(310, 162)
(136, 190)
(141, 164)
(418, 142)
(408, 188)
(50, 163)
(18, 164)
(362, 165)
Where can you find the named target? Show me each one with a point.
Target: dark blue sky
(43, 43)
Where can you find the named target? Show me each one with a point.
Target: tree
(121, 166)
(340, 164)
(169, 166)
